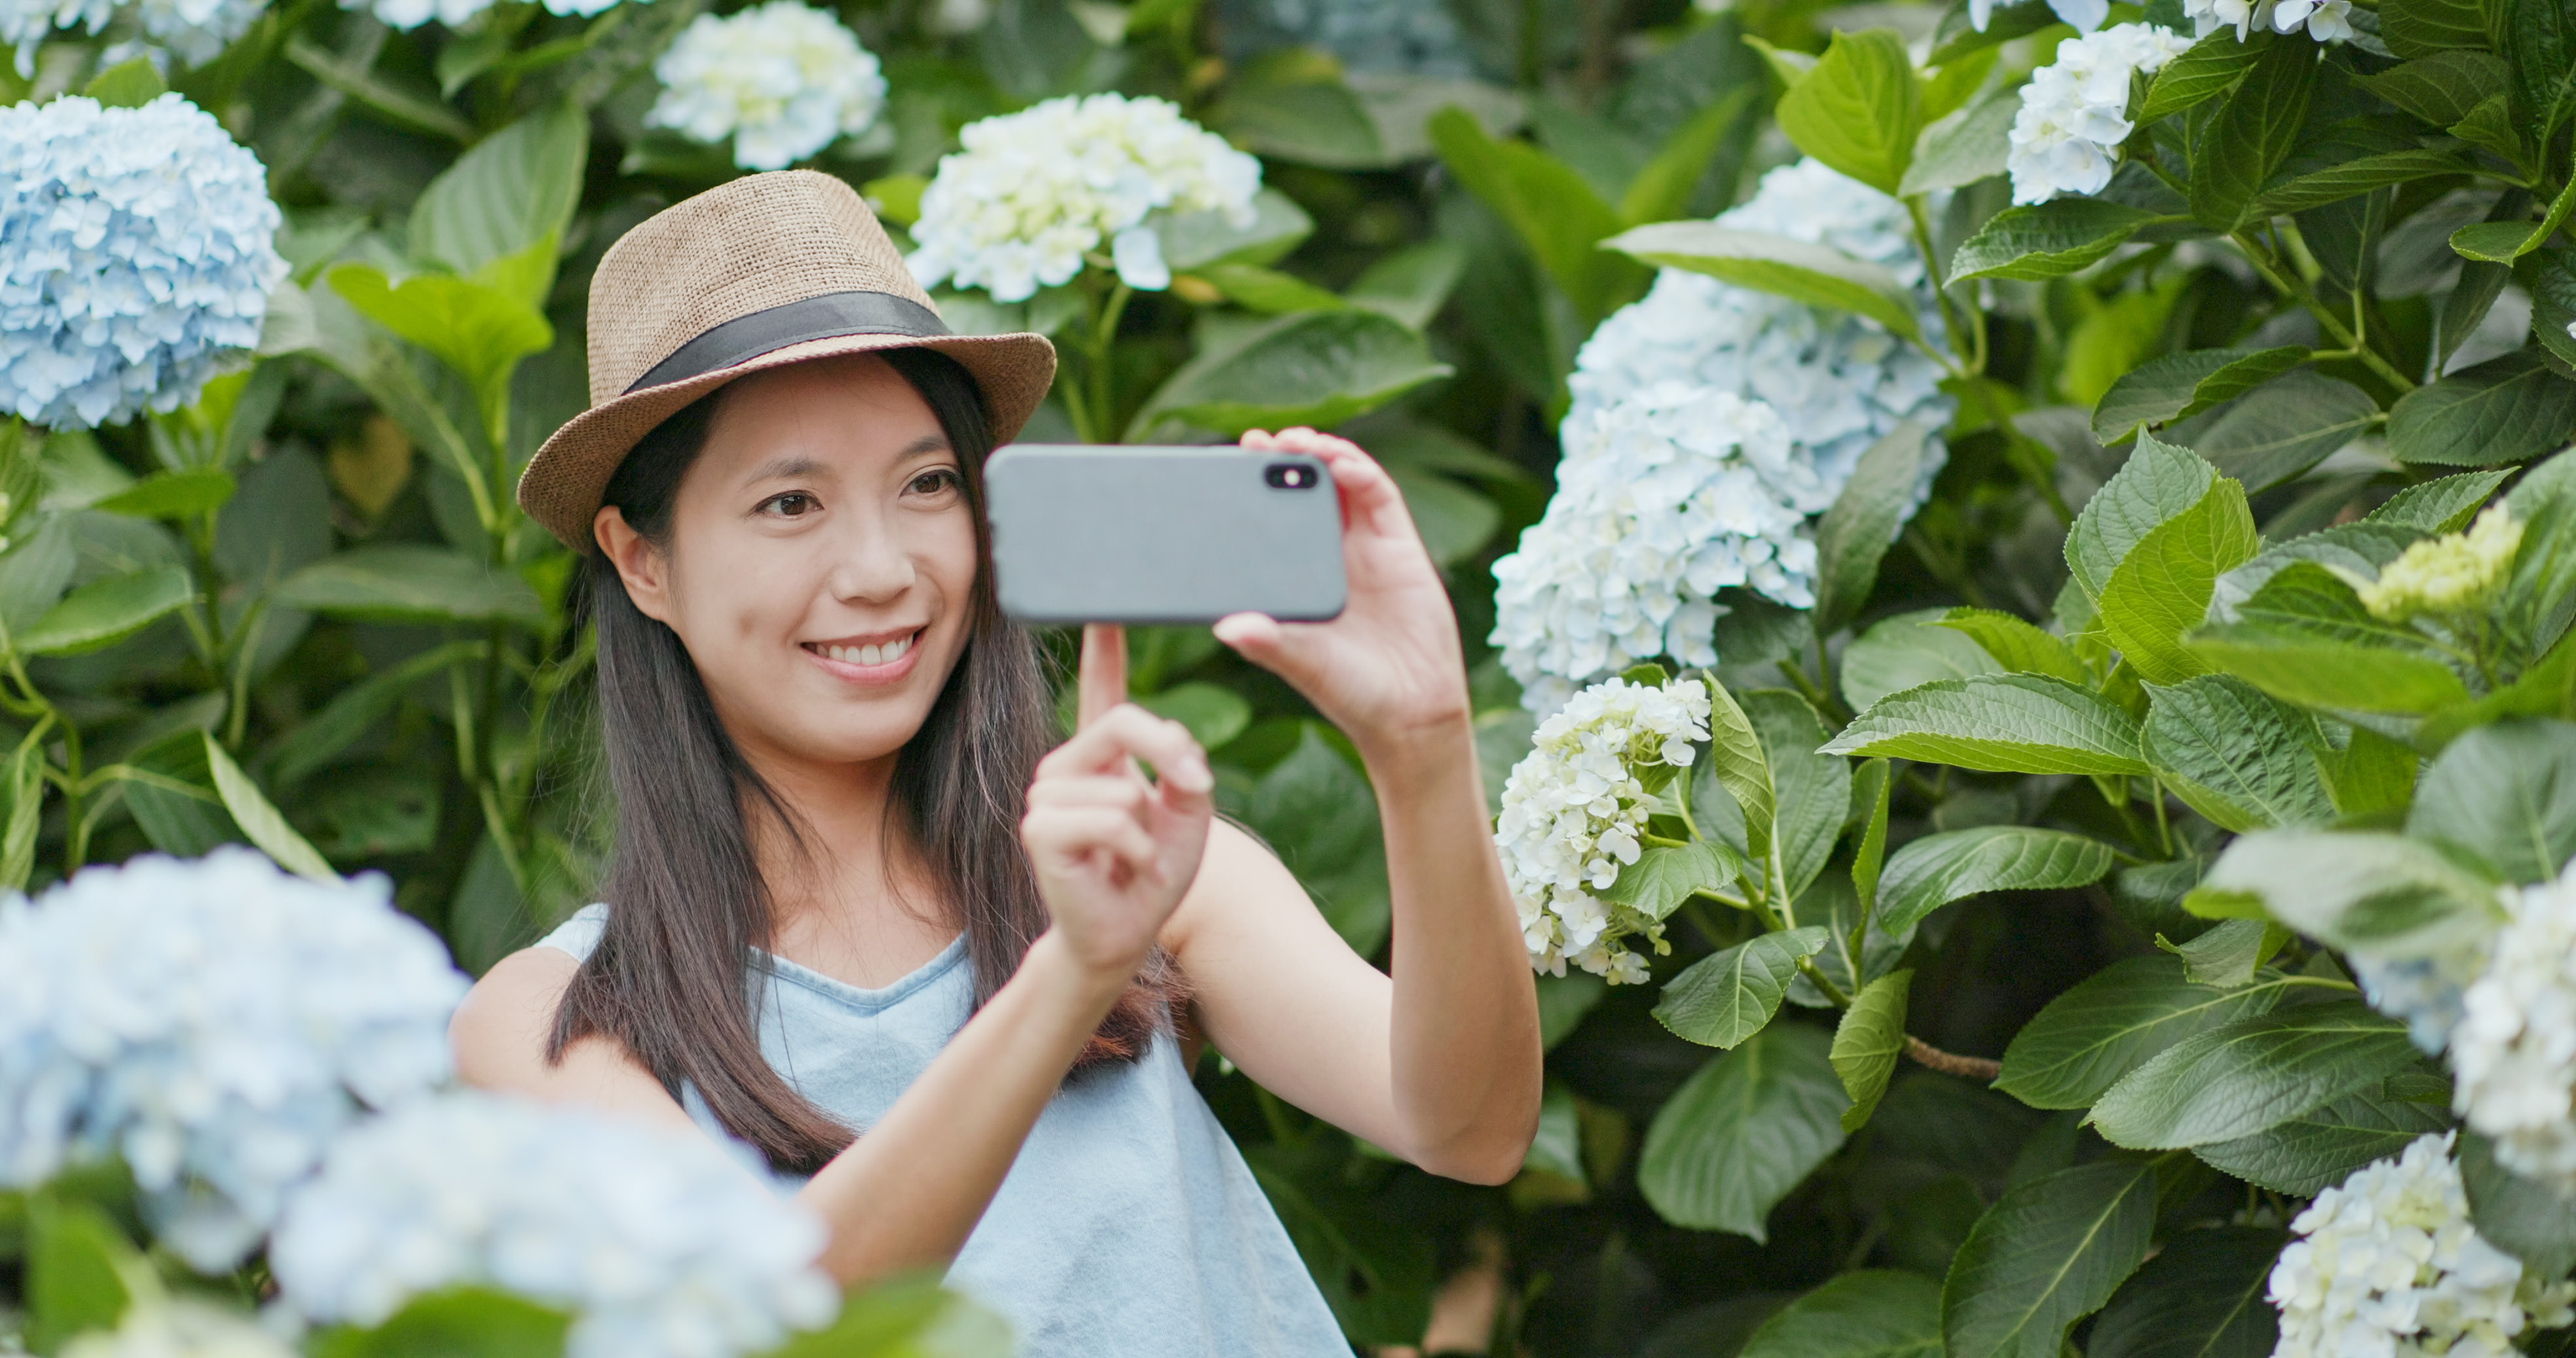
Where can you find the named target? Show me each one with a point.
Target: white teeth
(870, 655)
(885, 654)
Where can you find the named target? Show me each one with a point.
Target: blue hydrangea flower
(194, 31)
(658, 1243)
(215, 1022)
(136, 248)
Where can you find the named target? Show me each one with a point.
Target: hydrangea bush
(783, 80)
(140, 255)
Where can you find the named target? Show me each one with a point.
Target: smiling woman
(861, 919)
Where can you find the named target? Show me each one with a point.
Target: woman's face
(822, 562)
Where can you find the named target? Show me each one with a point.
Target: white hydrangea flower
(139, 248)
(782, 79)
(1835, 382)
(2386, 1265)
(2324, 20)
(2514, 1050)
(411, 14)
(194, 31)
(1574, 810)
(2075, 110)
(181, 1328)
(1034, 191)
(2082, 15)
(217, 1023)
(1678, 491)
(2428, 992)
(657, 1242)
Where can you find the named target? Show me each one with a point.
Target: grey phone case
(1092, 533)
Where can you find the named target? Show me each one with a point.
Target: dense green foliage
(2012, 904)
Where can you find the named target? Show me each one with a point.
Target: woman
(860, 919)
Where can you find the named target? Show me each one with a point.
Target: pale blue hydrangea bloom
(657, 1242)
(1832, 384)
(1033, 192)
(1416, 37)
(194, 31)
(2429, 993)
(135, 250)
(215, 1022)
(782, 79)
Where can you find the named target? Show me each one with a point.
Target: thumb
(1289, 652)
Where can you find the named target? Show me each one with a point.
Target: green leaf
(2251, 134)
(1312, 122)
(2211, 68)
(260, 820)
(2442, 88)
(2176, 386)
(1966, 146)
(355, 79)
(1872, 1313)
(2114, 1021)
(2236, 755)
(2443, 505)
(2162, 586)
(2017, 645)
(1859, 110)
(1662, 190)
(2534, 1222)
(1194, 240)
(2047, 241)
(2047, 1254)
(1862, 522)
(2158, 482)
(319, 738)
(2419, 28)
(1811, 791)
(1320, 815)
(2252, 1074)
(2280, 429)
(2354, 163)
(2506, 793)
(1268, 291)
(2392, 895)
(1932, 871)
(1867, 1043)
(2295, 645)
(2540, 38)
(1546, 203)
(128, 84)
(1906, 650)
(26, 789)
(506, 194)
(2370, 774)
(1872, 786)
(2230, 953)
(2506, 241)
(1375, 1269)
(2503, 410)
(1998, 723)
(1213, 713)
(906, 1317)
(1816, 275)
(461, 1322)
(1737, 1136)
(1739, 765)
(1411, 284)
(409, 583)
(1662, 878)
(104, 612)
(1317, 369)
(479, 332)
(2304, 1155)
(2202, 1296)
(172, 494)
(1727, 997)
(77, 1264)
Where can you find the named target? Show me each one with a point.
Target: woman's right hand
(1113, 850)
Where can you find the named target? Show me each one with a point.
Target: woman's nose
(870, 563)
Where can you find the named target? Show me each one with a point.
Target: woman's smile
(879, 658)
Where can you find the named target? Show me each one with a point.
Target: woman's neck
(848, 895)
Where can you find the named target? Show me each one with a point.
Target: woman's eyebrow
(927, 443)
(783, 468)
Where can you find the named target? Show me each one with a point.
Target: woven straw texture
(760, 241)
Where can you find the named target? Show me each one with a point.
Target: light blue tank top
(1129, 1226)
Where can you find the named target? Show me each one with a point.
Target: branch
(1966, 1067)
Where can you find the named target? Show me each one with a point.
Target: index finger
(1102, 683)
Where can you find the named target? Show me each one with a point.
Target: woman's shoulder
(578, 935)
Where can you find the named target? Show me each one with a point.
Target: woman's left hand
(1389, 668)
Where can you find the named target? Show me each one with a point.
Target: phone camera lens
(1289, 476)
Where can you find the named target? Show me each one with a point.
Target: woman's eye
(936, 481)
(789, 505)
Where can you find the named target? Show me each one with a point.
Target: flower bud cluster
(1575, 811)
(2447, 576)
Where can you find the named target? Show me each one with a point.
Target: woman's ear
(639, 563)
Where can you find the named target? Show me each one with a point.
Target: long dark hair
(673, 977)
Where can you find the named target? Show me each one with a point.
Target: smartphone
(1094, 533)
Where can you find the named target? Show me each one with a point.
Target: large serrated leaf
(2161, 589)
(1858, 527)
(1316, 368)
(2506, 793)
(1749, 1127)
(2251, 1075)
(2116, 1020)
(2158, 482)
(1907, 650)
(507, 192)
(1867, 1043)
(2390, 894)
(1998, 723)
(2016, 644)
(2202, 1296)
(1966, 146)
(2443, 505)
(409, 583)
(1663, 877)
(1737, 762)
(1811, 790)
(1859, 108)
(2503, 410)
(1817, 275)
(1873, 1313)
(2280, 429)
(2047, 1254)
(1726, 997)
(2239, 757)
(2304, 1155)
(1932, 871)
(107, 611)
(2176, 386)
(2251, 134)
(2047, 241)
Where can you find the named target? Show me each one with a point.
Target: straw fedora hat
(766, 270)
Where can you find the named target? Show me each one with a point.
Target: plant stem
(1099, 375)
(1960, 347)
(2300, 292)
(1950, 1063)
(1816, 977)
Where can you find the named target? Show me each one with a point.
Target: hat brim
(562, 486)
